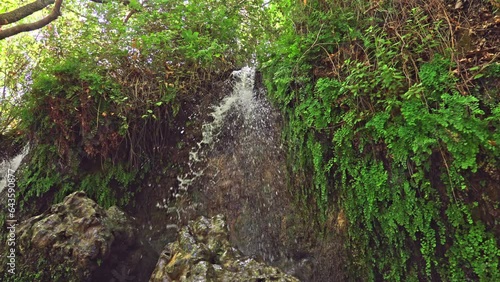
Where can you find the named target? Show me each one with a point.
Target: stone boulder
(77, 240)
(203, 252)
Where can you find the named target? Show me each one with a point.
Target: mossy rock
(203, 252)
(77, 240)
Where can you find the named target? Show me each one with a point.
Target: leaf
(135, 5)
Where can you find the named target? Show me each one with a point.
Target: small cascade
(10, 166)
(238, 169)
(241, 100)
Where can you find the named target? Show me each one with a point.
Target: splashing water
(244, 173)
(238, 169)
(10, 166)
(242, 100)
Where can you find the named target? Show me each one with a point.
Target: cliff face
(392, 112)
(240, 173)
(376, 157)
(77, 240)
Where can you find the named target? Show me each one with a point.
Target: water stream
(238, 168)
(10, 166)
(240, 104)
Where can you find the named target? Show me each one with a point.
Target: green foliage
(36, 267)
(15, 67)
(493, 70)
(76, 116)
(40, 176)
(67, 101)
(109, 187)
(473, 248)
(381, 130)
(377, 124)
(103, 84)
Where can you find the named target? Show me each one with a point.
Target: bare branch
(56, 12)
(24, 11)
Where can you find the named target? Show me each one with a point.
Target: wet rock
(203, 252)
(77, 240)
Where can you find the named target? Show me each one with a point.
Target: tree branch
(37, 5)
(24, 11)
(56, 12)
(129, 15)
(124, 2)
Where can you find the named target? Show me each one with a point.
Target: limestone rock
(77, 240)
(203, 252)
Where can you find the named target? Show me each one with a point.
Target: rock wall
(77, 240)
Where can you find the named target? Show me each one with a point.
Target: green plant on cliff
(379, 126)
(104, 85)
(65, 107)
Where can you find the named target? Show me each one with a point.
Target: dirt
(476, 26)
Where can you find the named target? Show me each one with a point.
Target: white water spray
(10, 166)
(237, 169)
(242, 97)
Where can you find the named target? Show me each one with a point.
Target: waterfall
(10, 166)
(241, 101)
(238, 168)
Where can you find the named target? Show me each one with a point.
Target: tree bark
(24, 11)
(56, 12)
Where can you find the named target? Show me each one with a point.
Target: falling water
(10, 166)
(241, 101)
(238, 168)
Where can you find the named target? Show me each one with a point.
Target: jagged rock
(203, 252)
(77, 240)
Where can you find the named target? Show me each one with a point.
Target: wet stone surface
(203, 252)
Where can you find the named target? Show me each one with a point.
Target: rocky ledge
(77, 240)
(203, 252)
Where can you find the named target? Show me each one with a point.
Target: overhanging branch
(24, 11)
(54, 14)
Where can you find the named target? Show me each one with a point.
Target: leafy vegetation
(104, 87)
(392, 113)
(99, 93)
(389, 135)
